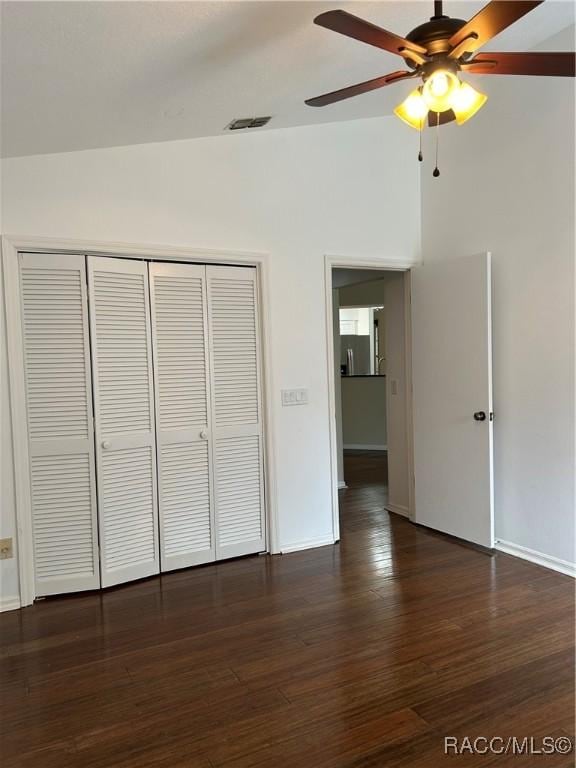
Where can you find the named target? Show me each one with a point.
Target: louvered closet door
(124, 418)
(60, 424)
(237, 420)
(179, 329)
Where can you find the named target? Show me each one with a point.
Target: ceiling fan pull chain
(420, 156)
(436, 171)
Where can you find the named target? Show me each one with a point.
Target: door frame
(11, 246)
(388, 265)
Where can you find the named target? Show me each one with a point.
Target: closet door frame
(11, 247)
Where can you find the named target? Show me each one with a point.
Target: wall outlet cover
(6, 549)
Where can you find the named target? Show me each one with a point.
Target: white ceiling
(79, 75)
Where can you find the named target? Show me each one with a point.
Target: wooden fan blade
(445, 117)
(351, 26)
(491, 20)
(356, 90)
(544, 64)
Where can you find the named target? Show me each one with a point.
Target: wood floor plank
(361, 655)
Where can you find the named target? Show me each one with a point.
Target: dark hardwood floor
(365, 654)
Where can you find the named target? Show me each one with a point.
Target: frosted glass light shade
(413, 110)
(466, 101)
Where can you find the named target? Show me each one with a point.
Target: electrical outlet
(6, 550)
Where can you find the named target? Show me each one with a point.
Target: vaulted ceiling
(79, 75)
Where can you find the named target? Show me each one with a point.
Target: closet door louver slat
(124, 419)
(236, 404)
(60, 424)
(179, 323)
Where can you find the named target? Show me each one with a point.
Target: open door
(452, 391)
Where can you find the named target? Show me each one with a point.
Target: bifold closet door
(60, 424)
(183, 424)
(237, 419)
(124, 418)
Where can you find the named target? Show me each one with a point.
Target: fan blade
(445, 117)
(545, 64)
(351, 26)
(491, 20)
(356, 90)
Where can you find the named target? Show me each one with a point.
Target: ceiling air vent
(247, 122)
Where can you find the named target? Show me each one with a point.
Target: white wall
(507, 185)
(396, 405)
(294, 193)
(367, 294)
(364, 412)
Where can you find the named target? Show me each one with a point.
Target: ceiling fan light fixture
(413, 109)
(466, 101)
(439, 89)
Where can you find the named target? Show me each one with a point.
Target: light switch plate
(6, 549)
(294, 397)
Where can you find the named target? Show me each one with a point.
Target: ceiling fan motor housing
(434, 35)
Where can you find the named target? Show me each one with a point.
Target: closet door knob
(204, 434)
(106, 444)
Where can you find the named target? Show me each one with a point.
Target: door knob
(106, 444)
(480, 416)
(204, 434)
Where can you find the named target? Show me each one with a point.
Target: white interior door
(237, 413)
(183, 423)
(60, 423)
(452, 391)
(124, 419)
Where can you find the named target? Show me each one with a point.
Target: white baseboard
(342, 485)
(398, 509)
(364, 447)
(9, 604)
(309, 544)
(539, 558)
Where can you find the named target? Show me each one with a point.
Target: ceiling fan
(437, 51)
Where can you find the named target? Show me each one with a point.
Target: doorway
(371, 380)
(446, 460)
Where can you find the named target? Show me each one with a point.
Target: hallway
(363, 502)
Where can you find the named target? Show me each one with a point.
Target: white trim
(20, 448)
(342, 485)
(539, 558)
(410, 511)
(323, 541)
(9, 604)
(11, 246)
(398, 509)
(364, 447)
(331, 261)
